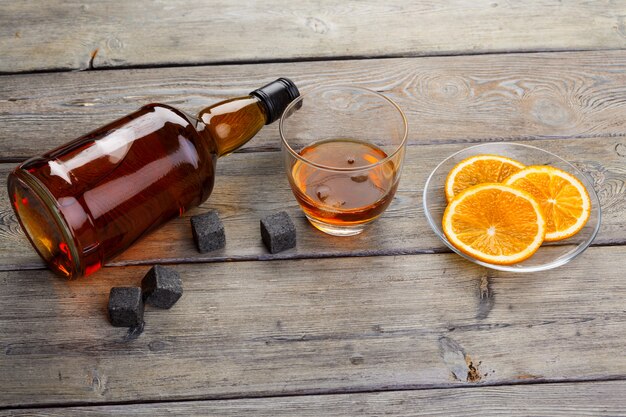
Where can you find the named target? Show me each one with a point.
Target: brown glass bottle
(89, 200)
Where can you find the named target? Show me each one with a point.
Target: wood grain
(549, 400)
(446, 99)
(322, 334)
(61, 35)
(314, 326)
(252, 185)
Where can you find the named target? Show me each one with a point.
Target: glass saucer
(550, 255)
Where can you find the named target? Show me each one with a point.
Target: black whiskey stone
(125, 306)
(208, 232)
(161, 287)
(278, 232)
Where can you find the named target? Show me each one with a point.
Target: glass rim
(340, 87)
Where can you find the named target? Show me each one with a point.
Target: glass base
(335, 230)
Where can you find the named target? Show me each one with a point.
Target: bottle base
(43, 224)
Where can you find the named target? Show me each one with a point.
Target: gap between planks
(430, 54)
(321, 392)
(271, 257)
(529, 138)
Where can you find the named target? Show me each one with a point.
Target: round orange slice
(495, 223)
(563, 198)
(477, 170)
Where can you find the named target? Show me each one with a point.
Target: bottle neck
(232, 123)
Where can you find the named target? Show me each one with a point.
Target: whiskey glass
(343, 150)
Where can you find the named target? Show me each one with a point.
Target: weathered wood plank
(314, 326)
(446, 99)
(62, 34)
(252, 185)
(549, 400)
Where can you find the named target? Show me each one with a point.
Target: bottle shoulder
(160, 107)
(186, 120)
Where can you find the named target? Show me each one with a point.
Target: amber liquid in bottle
(89, 200)
(344, 198)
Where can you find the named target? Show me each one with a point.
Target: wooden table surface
(388, 322)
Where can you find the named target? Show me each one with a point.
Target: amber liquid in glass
(349, 197)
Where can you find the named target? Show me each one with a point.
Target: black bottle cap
(276, 96)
